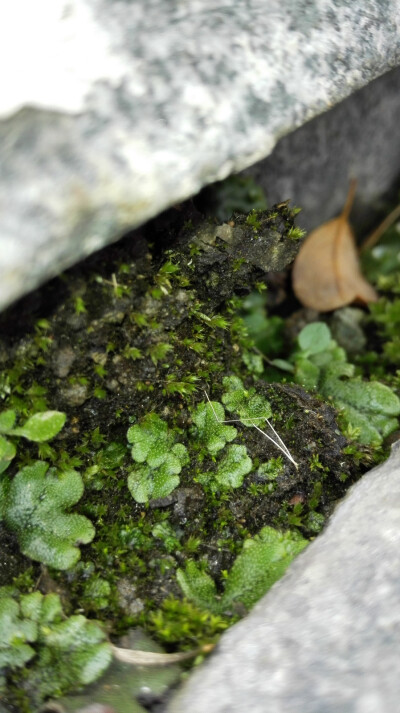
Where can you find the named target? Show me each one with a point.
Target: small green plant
(39, 428)
(263, 560)
(216, 321)
(63, 653)
(96, 593)
(253, 220)
(319, 363)
(271, 469)
(165, 532)
(79, 305)
(182, 622)
(296, 233)
(214, 434)
(233, 467)
(249, 405)
(132, 353)
(154, 446)
(184, 386)
(158, 352)
(33, 505)
(253, 409)
(106, 461)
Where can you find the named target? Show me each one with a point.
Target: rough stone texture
(115, 110)
(326, 638)
(358, 138)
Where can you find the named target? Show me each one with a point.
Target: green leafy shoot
(252, 409)
(33, 506)
(211, 431)
(295, 233)
(7, 453)
(15, 633)
(184, 387)
(132, 353)
(64, 653)
(233, 467)
(39, 428)
(263, 560)
(249, 405)
(158, 352)
(314, 338)
(161, 459)
(319, 363)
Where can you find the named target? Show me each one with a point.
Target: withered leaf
(326, 273)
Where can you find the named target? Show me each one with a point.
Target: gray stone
(74, 394)
(63, 360)
(347, 327)
(326, 638)
(116, 110)
(358, 138)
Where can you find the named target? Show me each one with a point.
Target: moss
(181, 622)
(140, 363)
(253, 220)
(296, 233)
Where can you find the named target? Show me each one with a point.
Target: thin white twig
(277, 443)
(284, 449)
(152, 658)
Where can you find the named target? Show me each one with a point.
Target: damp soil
(88, 343)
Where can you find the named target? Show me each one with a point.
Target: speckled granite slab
(326, 638)
(114, 110)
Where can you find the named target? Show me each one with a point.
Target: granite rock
(327, 635)
(115, 110)
(358, 138)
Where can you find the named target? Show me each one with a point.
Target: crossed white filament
(278, 443)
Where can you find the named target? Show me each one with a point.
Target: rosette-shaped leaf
(250, 406)
(262, 561)
(34, 507)
(208, 418)
(64, 654)
(15, 632)
(369, 406)
(153, 445)
(233, 467)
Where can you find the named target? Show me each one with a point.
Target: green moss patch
(142, 501)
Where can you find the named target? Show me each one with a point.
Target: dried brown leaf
(326, 273)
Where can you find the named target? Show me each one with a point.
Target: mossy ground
(139, 330)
